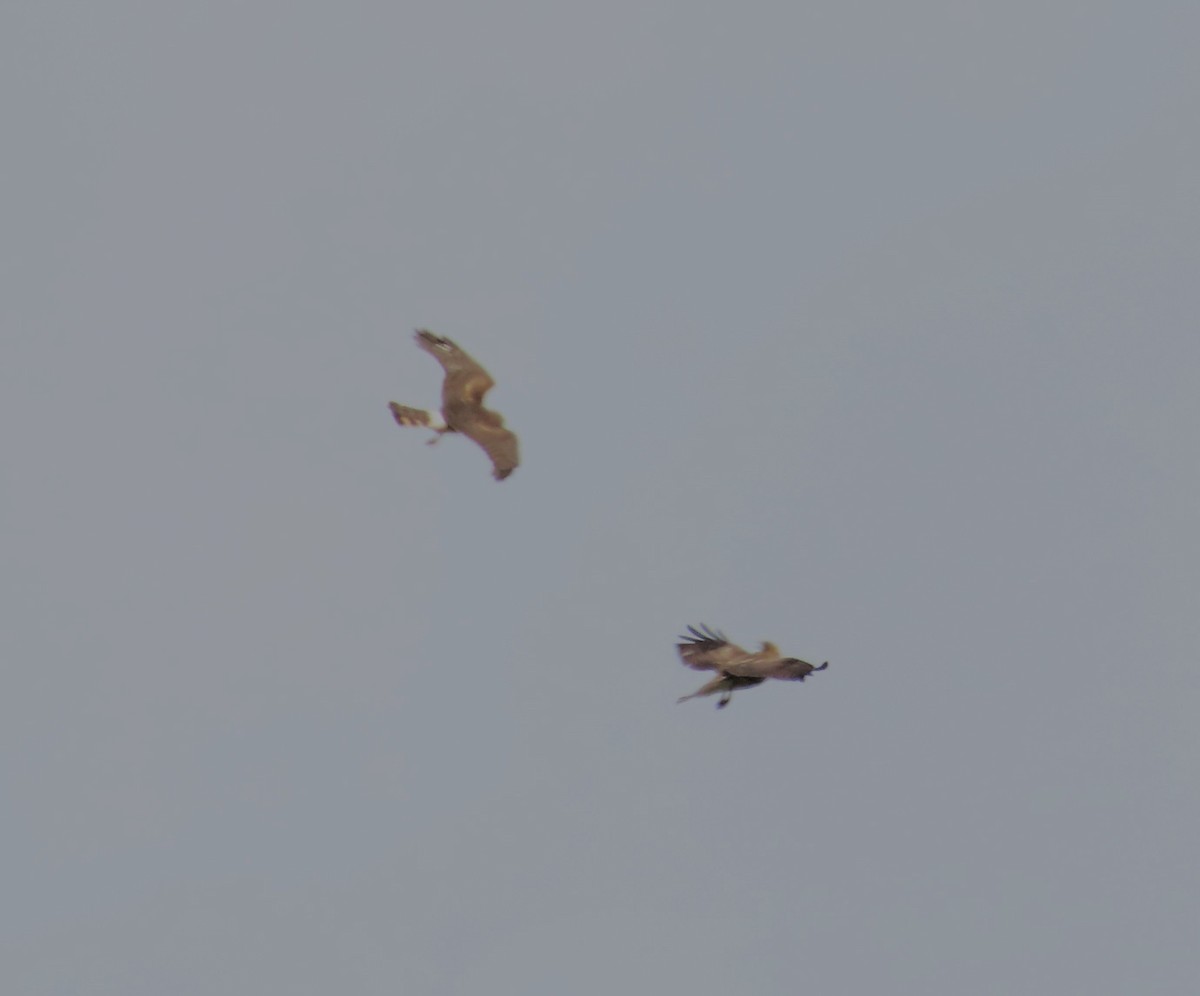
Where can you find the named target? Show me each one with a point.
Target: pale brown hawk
(462, 405)
(709, 650)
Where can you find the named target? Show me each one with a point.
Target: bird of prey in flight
(709, 650)
(462, 405)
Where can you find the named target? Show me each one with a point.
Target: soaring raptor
(462, 405)
(709, 650)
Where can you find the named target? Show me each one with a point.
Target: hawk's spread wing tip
(704, 634)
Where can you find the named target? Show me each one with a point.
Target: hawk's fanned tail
(408, 416)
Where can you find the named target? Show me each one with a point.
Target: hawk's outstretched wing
(498, 443)
(709, 650)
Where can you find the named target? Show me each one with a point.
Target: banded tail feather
(409, 416)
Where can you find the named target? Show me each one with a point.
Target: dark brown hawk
(709, 650)
(462, 405)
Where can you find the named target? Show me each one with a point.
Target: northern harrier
(462, 405)
(706, 650)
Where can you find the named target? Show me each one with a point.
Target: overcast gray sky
(867, 328)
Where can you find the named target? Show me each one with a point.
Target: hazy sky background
(867, 328)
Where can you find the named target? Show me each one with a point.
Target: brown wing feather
(709, 650)
(498, 443)
(464, 413)
(466, 386)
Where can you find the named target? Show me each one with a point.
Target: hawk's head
(797, 670)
